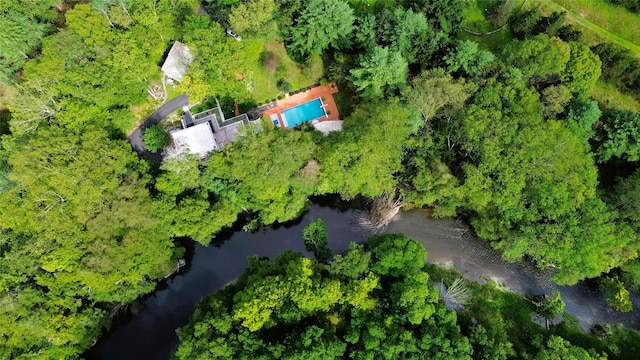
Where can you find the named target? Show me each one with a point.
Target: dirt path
(593, 27)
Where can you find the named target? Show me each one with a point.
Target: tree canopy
(372, 302)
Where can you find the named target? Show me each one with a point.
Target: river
(147, 330)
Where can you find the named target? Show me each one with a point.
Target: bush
(283, 85)
(323, 81)
(155, 138)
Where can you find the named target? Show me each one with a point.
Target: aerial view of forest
(138, 135)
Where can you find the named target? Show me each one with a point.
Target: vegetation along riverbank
(415, 111)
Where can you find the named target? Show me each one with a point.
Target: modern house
(207, 131)
(177, 61)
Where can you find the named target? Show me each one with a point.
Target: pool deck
(325, 91)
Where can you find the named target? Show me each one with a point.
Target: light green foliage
(292, 308)
(80, 229)
(397, 257)
(403, 31)
(555, 98)
(558, 348)
(541, 57)
(363, 157)
(434, 90)
(89, 72)
(19, 37)
(321, 24)
(316, 239)
(619, 136)
(271, 173)
(551, 306)
(469, 58)
(617, 294)
(155, 138)
(254, 18)
(583, 70)
(379, 72)
(580, 244)
(222, 65)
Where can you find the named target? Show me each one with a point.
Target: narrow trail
(591, 26)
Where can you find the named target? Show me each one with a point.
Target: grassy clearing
(477, 21)
(609, 96)
(622, 26)
(275, 64)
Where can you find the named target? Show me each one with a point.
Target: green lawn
(476, 21)
(276, 64)
(613, 23)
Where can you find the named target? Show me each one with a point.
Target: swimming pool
(302, 113)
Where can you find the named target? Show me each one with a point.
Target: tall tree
(619, 136)
(379, 72)
(469, 58)
(541, 57)
(322, 23)
(20, 36)
(254, 18)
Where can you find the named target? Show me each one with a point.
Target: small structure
(198, 139)
(177, 61)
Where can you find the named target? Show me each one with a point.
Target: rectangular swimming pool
(302, 113)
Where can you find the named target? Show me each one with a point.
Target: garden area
(276, 73)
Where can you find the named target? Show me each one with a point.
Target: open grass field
(275, 64)
(611, 23)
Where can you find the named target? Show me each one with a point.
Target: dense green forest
(375, 301)
(504, 136)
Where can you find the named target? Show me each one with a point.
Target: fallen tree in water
(383, 209)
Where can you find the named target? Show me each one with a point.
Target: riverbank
(147, 331)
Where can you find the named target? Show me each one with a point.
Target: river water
(147, 330)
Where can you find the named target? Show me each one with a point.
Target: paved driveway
(162, 112)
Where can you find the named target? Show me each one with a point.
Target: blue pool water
(302, 113)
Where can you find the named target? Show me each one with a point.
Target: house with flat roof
(177, 61)
(197, 139)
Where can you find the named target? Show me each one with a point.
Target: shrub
(283, 85)
(323, 81)
(155, 138)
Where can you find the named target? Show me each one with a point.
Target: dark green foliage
(155, 138)
(550, 306)
(619, 66)
(403, 31)
(524, 24)
(20, 36)
(283, 85)
(619, 136)
(631, 5)
(551, 24)
(383, 308)
(322, 24)
(558, 348)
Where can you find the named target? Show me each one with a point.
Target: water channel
(147, 331)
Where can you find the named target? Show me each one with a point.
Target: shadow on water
(147, 330)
